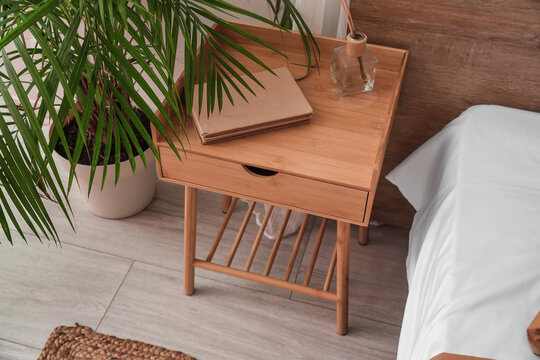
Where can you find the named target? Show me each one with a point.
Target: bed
(474, 254)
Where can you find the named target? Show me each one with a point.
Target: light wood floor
(124, 278)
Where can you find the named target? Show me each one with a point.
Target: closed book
(279, 103)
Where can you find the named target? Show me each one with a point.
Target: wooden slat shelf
(265, 277)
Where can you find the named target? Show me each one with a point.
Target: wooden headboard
(462, 53)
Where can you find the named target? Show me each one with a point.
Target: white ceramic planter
(132, 194)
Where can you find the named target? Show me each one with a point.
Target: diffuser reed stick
(354, 35)
(348, 15)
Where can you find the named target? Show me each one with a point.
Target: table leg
(225, 203)
(343, 242)
(363, 235)
(190, 230)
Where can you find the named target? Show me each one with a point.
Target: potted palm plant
(99, 71)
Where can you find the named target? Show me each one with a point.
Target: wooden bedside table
(329, 168)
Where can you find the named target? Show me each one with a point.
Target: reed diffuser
(353, 65)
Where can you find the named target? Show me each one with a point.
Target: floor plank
(45, 286)
(378, 284)
(227, 317)
(155, 236)
(367, 300)
(224, 322)
(381, 262)
(12, 351)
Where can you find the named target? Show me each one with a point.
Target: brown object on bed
(447, 356)
(462, 53)
(533, 334)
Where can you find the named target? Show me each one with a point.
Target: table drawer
(316, 197)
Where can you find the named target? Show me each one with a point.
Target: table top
(345, 141)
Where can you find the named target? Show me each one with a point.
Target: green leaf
(131, 45)
(28, 22)
(108, 146)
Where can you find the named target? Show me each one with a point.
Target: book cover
(279, 104)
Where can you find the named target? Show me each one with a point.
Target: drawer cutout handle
(257, 171)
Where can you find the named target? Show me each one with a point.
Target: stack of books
(279, 104)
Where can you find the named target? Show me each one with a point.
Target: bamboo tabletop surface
(345, 141)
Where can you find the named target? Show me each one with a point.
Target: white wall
(322, 16)
(257, 6)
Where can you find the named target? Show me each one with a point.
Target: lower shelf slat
(325, 295)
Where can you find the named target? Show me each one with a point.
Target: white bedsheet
(474, 252)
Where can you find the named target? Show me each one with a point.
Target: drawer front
(316, 197)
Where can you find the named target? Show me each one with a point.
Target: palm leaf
(103, 63)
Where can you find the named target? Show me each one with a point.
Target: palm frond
(106, 65)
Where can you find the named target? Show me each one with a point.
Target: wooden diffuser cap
(356, 47)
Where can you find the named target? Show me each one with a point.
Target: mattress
(473, 266)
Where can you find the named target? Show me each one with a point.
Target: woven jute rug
(81, 342)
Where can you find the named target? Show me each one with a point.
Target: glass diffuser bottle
(353, 66)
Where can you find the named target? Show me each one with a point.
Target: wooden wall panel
(462, 53)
